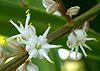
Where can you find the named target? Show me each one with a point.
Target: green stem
(77, 22)
(60, 32)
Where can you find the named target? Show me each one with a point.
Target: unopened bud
(52, 8)
(73, 10)
(46, 3)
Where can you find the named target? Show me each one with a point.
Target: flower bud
(46, 3)
(52, 8)
(73, 10)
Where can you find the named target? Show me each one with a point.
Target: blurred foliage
(14, 9)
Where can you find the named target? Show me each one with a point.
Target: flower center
(38, 46)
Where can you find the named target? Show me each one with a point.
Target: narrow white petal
(76, 52)
(67, 43)
(16, 26)
(72, 49)
(20, 40)
(45, 33)
(86, 46)
(72, 44)
(90, 39)
(32, 54)
(32, 30)
(50, 46)
(83, 50)
(46, 56)
(27, 20)
(21, 26)
(13, 37)
(40, 55)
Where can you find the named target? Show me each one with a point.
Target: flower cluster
(76, 39)
(34, 45)
(38, 47)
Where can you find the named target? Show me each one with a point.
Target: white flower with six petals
(77, 39)
(39, 47)
(25, 32)
(34, 45)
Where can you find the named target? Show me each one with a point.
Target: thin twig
(77, 22)
(63, 10)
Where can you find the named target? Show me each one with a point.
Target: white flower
(28, 67)
(25, 32)
(73, 10)
(51, 7)
(39, 47)
(77, 39)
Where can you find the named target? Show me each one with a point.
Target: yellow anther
(49, 25)
(51, 61)
(30, 25)
(60, 45)
(27, 12)
(19, 22)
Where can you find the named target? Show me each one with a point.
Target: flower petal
(33, 54)
(46, 56)
(13, 37)
(76, 52)
(86, 46)
(21, 26)
(27, 20)
(83, 50)
(16, 26)
(50, 46)
(90, 39)
(32, 30)
(43, 37)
